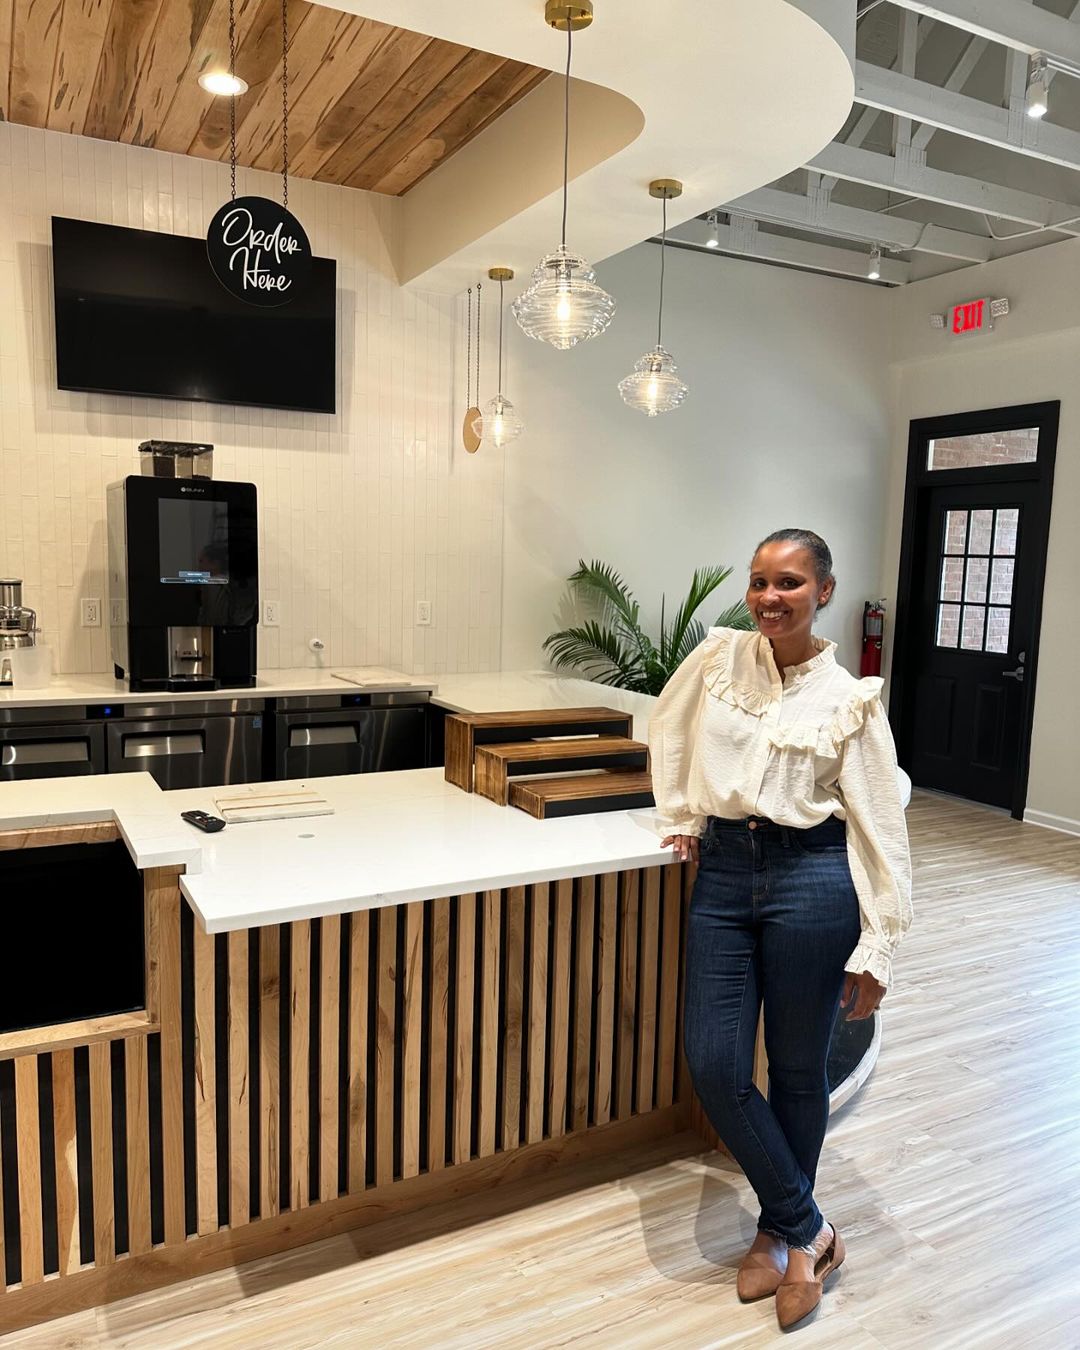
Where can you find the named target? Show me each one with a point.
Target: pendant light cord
(566, 129)
(478, 289)
(468, 355)
(232, 97)
(663, 244)
(499, 385)
(285, 103)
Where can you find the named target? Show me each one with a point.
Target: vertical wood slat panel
(491, 943)
(101, 1153)
(647, 980)
(205, 1082)
(384, 1046)
(300, 1062)
(239, 1083)
(535, 1087)
(165, 897)
(463, 1027)
(624, 1031)
(329, 1030)
(512, 1016)
(412, 1039)
(438, 1024)
(137, 1091)
(669, 986)
(66, 1157)
(28, 1146)
(605, 995)
(359, 949)
(583, 997)
(560, 1006)
(269, 1071)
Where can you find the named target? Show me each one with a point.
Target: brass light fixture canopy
(500, 273)
(666, 188)
(568, 14)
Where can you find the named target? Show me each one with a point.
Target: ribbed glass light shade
(563, 305)
(499, 424)
(654, 387)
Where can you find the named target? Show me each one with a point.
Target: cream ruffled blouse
(728, 737)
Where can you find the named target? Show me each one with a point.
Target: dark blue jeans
(773, 916)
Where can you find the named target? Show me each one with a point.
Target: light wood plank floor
(954, 1175)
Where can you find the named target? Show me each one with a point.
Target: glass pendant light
(564, 305)
(500, 423)
(654, 386)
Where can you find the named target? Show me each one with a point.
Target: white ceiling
(935, 198)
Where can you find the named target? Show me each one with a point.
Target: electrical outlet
(114, 613)
(91, 613)
(423, 612)
(271, 614)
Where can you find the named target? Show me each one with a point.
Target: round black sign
(259, 251)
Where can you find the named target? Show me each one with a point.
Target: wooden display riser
(446, 1045)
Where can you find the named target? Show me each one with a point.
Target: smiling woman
(775, 769)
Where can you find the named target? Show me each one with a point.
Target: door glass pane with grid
(974, 609)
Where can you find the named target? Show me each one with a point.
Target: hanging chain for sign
(469, 439)
(259, 250)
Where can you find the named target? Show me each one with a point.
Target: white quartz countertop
(393, 837)
(92, 689)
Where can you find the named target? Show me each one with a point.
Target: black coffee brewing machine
(183, 573)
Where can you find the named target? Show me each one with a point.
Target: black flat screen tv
(142, 313)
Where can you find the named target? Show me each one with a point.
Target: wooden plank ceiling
(370, 106)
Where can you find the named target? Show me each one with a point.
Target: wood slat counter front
(294, 1080)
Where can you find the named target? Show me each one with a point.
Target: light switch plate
(423, 612)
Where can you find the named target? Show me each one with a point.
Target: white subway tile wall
(362, 514)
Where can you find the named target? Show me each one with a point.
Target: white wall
(362, 513)
(1032, 355)
(786, 424)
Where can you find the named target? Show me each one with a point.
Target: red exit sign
(970, 316)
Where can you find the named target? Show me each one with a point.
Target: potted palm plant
(611, 647)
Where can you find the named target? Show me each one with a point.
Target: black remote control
(203, 821)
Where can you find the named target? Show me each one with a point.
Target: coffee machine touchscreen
(193, 539)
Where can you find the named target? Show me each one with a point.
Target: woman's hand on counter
(869, 993)
(685, 846)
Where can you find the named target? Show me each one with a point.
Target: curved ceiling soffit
(725, 97)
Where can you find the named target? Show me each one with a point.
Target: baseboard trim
(23, 1306)
(1048, 821)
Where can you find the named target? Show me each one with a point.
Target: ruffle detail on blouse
(827, 740)
(716, 671)
(866, 958)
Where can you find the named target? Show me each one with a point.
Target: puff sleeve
(877, 841)
(673, 730)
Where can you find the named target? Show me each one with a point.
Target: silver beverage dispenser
(18, 624)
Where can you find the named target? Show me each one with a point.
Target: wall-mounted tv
(138, 312)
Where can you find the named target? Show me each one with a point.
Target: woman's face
(784, 594)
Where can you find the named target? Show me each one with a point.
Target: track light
(1038, 87)
(713, 219)
(873, 272)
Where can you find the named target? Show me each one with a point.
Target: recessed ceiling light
(223, 84)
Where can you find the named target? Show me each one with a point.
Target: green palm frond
(612, 647)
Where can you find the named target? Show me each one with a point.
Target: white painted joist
(1021, 26)
(855, 165)
(964, 116)
(803, 213)
(754, 243)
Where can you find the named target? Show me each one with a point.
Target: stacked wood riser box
(293, 1082)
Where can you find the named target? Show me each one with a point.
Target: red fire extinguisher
(873, 628)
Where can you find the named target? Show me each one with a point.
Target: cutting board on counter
(263, 801)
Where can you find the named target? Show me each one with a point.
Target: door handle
(1017, 674)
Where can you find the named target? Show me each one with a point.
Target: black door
(969, 608)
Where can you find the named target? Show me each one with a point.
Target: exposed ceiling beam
(909, 41)
(742, 239)
(964, 116)
(958, 77)
(1021, 26)
(950, 189)
(806, 213)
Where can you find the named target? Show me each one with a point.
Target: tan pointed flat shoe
(797, 1297)
(762, 1267)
